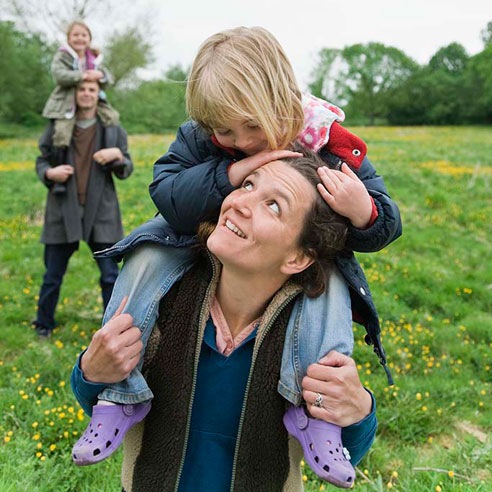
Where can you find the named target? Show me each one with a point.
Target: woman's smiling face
(260, 223)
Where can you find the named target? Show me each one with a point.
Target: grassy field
(433, 288)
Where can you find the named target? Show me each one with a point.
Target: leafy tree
(176, 73)
(125, 53)
(361, 76)
(323, 76)
(371, 72)
(25, 80)
(477, 88)
(486, 34)
(451, 58)
(407, 102)
(434, 94)
(154, 106)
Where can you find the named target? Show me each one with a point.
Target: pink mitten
(322, 129)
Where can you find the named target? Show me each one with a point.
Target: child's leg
(147, 274)
(108, 115)
(62, 134)
(317, 326)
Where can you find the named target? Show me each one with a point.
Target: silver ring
(319, 400)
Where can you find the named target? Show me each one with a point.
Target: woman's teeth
(234, 229)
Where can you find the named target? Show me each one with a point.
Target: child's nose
(242, 140)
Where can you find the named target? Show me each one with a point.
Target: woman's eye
(274, 206)
(247, 185)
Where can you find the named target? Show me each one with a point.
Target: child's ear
(296, 263)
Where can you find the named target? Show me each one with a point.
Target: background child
(247, 109)
(73, 63)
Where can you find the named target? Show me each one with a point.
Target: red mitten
(344, 144)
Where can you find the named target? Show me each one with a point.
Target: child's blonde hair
(244, 74)
(81, 24)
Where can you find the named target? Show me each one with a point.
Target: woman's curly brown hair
(324, 233)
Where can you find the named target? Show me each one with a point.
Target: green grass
(433, 288)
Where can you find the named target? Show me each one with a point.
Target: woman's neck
(243, 299)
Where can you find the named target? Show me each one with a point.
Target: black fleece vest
(262, 461)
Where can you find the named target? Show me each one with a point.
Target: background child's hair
(244, 74)
(81, 24)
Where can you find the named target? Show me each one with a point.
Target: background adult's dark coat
(101, 213)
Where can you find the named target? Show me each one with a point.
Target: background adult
(89, 209)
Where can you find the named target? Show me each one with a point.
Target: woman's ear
(296, 263)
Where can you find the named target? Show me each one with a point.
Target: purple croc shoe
(106, 430)
(322, 445)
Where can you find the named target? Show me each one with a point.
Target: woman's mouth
(232, 227)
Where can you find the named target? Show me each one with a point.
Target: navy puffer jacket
(190, 183)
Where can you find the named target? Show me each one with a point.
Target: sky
(417, 27)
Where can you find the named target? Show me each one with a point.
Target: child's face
(79, 38)
(242, 135)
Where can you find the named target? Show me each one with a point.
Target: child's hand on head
(346, 194)
(243, 168)
(93, 75)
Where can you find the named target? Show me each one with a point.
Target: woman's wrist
(365, 403)
(84, 366)
(87, 368)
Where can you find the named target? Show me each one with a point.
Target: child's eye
(222, 131)
(274, 206)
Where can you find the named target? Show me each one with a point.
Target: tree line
(381, 84)
(374, 83)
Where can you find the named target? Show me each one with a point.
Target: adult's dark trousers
(56, 258)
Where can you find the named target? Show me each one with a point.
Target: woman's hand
(335, 378)
(114, 350)
(346, 194)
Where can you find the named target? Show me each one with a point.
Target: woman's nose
(242, 203)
